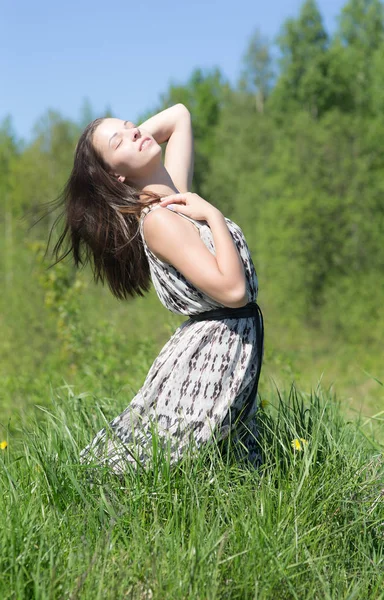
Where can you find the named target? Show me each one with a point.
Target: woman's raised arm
(174, 125)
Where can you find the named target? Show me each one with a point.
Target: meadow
(294, 156)
(307, 524)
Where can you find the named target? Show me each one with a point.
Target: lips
(146, 139)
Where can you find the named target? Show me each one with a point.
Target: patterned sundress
(197, 386)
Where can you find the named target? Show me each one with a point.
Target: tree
(361, 25)
(360, 42)
(9, 149)
(257, 73)
(303, 81)
(39, 173)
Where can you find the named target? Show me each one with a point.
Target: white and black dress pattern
(198, 385)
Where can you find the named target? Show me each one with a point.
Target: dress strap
(143, 214)
(196, 223)
(147, 209)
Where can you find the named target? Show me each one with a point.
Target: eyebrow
(112, 136)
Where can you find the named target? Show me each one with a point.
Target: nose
(136, 134)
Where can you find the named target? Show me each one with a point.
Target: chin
(156, 148)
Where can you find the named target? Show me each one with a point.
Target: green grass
(309, 524)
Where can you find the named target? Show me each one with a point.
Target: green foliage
(9, 148)
(361, 37)
(257, 74)
(361, 25)
(303, 82)
(62, 288)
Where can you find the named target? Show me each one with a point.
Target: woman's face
(129, 151)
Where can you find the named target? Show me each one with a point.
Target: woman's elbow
(238, 297)
(183, 109)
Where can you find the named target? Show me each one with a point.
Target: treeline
(293, 152)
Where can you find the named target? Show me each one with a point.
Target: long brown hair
(102, 222)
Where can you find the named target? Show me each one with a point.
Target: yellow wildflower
(3, 445)
(299, 444)
(264, 404)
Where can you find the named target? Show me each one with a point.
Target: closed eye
(130, 126)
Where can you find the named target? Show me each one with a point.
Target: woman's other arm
(174, 125)
(173, 240)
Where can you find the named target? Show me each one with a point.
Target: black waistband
(252, 309)
(249, 310)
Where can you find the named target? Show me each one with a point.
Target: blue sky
(124, 54)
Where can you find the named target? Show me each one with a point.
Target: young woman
(132, 216)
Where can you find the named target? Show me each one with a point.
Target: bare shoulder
(177, 242)
(164, 230)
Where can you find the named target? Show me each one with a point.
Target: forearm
(163, 124)
(174, 125)
(179, 153)
(227, 257)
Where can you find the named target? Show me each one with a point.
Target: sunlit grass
(308, 524)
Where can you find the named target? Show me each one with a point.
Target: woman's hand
(189, 204)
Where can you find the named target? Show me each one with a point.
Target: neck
(159, 181)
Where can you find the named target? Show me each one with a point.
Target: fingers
(173, 198)
(181, 196)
